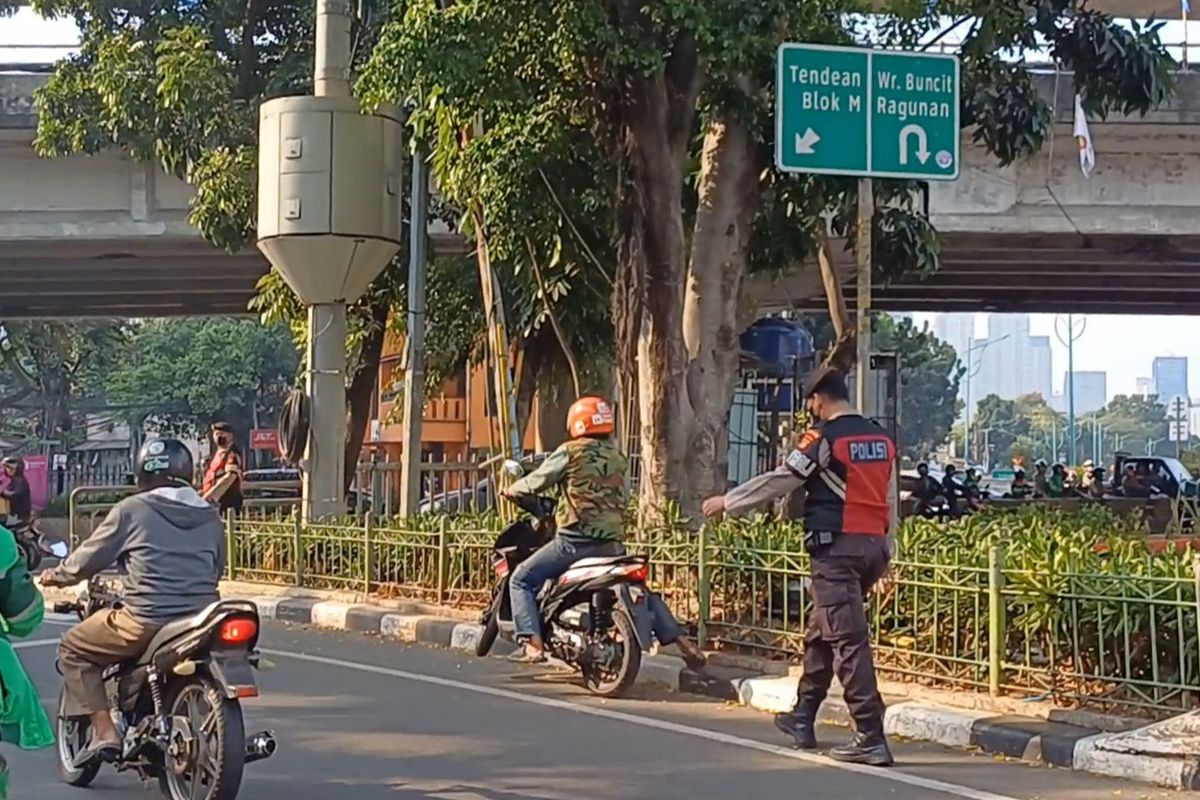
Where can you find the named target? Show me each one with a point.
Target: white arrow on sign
(922, 143)
(805, 143)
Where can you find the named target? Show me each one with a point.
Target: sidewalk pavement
(1165, 753)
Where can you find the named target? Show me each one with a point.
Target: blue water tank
(779, 345)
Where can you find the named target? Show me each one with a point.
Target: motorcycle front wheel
(614, 676)
(72, 735)
(207, 750)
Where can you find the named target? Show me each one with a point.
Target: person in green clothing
(1056, 484)
(23, 721)
(588, 472)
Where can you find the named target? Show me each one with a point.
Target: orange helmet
(590, 416)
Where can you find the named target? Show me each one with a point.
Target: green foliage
(202, 370)
(46, 366)
(1029, 428)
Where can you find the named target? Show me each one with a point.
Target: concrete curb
(1028, 739)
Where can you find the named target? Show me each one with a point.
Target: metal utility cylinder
(329, 219)
(863, 251)
(414, 373)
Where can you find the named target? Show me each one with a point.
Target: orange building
(460, 425)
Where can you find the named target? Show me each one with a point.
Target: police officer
(846, 464)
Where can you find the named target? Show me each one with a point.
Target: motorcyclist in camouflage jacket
(589, 472)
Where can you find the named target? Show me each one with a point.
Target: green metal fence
(951, 618)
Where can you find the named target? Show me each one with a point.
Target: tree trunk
(656, 113)
(362, 388)
(728, 191)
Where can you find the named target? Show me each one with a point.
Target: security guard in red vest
(846, 464)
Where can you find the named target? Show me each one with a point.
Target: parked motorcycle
(595, 617)
(178, 706)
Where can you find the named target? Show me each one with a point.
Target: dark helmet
(950, 469)
(164, 461)
(1020, 473)
(922, 466)
(17, 463)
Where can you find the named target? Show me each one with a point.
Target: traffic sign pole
(863, 251)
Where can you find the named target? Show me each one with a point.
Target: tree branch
(842, 352)
(561, 335)
(574, 230)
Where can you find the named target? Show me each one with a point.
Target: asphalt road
(367, 719)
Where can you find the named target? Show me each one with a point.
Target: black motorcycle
(595, 616)
(177, 707)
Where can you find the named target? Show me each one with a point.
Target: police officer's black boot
(800, 724)
(869, 746)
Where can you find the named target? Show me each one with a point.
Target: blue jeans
(551, 561)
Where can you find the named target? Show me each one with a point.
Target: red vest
(217, 467)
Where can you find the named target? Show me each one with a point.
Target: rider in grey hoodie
(169, 545)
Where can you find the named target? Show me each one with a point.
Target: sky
(1121, 346)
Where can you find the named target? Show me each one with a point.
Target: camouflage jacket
(590, 477)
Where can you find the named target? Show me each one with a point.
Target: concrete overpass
(103, 236)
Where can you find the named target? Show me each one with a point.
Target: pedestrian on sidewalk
(847, 465)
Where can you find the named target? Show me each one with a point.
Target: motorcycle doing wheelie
(595, 616)
(177, 707)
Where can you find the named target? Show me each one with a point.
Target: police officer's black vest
(849, 494)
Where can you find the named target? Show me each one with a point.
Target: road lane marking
(877, 773)
(35, 643)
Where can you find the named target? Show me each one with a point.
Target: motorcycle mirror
(513, 468)
(56, 549)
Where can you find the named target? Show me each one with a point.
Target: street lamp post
(971, 371)
(1068, 335)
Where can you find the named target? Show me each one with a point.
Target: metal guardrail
(968, 621)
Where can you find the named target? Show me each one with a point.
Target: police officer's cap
(825, 379)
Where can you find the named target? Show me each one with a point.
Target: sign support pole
(863, 253)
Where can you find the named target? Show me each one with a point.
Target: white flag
(1083, 138)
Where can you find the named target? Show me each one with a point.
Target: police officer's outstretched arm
(801, 464)
(93, 556)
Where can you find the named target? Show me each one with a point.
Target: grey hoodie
(169, 545)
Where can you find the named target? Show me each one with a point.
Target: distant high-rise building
(1170, 377)
(1013, 362)
(1091, 391)
(1144, 387)
(958, 331)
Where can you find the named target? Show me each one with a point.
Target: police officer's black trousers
(837, 639)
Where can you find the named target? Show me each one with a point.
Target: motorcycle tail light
(239, 630)
(640, 573)
(501, 569)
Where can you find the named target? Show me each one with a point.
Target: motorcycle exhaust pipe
(260, 746)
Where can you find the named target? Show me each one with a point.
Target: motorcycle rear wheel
(615, 682)
(487, 636)
(72, 736)
(204, 719)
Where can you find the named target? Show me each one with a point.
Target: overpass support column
(326, 385)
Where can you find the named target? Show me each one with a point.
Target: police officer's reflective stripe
(835, 484)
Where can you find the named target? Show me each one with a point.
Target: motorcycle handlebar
(539, 507)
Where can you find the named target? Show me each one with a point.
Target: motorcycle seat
(604, 561)
(176, 628)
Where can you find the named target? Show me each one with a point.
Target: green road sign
(868, 113)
